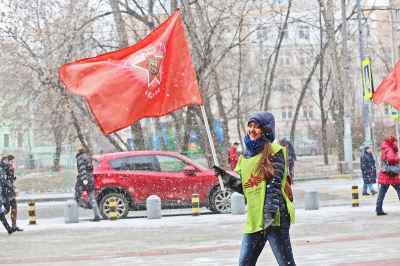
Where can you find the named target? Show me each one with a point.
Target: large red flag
(388, 90)
(149, 79)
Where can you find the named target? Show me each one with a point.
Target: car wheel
(114, 206)
(220, 201)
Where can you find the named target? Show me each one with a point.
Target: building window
(262, 33)
(284, 114)
(290, 113)
(308, 112)
(301, 60)
(20, 140)
(6, 140)
(304, 32)
(283, 85)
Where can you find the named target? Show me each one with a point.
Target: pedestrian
(291, 155)
(368, 170)
(85, 180)
(7, 165)
(4, 201)
(233, 155)
(262, 178)
(389, 158)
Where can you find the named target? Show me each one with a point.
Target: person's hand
(219, 171)
(225, 176)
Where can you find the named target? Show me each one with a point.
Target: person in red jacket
(390, 156)
(233, 155)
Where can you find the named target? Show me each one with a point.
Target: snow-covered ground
(328, 236)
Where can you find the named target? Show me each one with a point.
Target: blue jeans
(279, 240)
(382, 193)
(368, 186)
(95, 207)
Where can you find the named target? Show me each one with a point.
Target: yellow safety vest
(254, 189)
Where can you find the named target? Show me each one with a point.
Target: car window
(170, 164)
(141, 163)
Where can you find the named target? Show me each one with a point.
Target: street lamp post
(366, 105)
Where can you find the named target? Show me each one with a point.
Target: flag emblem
(149, 64)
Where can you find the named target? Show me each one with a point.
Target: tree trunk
(303, 93)
(136, 129)
(267, 89)
(337, 81)
(222, 114)
(203, 134)
(188, 126)
(173, 5)
(178, 118)
(321, 94)
(57, 155)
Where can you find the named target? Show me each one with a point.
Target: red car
(124, 180)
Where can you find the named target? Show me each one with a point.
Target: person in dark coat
(390, 156)
(10, 193)
(291, 155)
(368, 170)
(85, 179)
(3, 200)
(262, 178)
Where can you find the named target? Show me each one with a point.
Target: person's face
(369, 150)
(254, 131)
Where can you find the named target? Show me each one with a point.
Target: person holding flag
(263, 179)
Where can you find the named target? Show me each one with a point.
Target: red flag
(153, 77)
(389, 90)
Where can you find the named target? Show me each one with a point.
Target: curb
(340, 176)
(44, 199)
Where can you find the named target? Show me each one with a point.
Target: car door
(178, 185)
(145, 177)
(139, 174)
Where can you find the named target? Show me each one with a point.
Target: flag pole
(210, 140)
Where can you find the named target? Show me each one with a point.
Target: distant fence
(46, 160)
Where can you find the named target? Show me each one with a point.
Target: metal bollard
(237, 203)
(32, 212)
(354, 195)
(71, 212)
(113, 210)
(195, 204)
(153, 207)
(311, 200)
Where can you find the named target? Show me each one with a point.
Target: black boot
(5, 223)
(16, 229)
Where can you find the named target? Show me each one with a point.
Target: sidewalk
(329, 236)
(24, 197)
